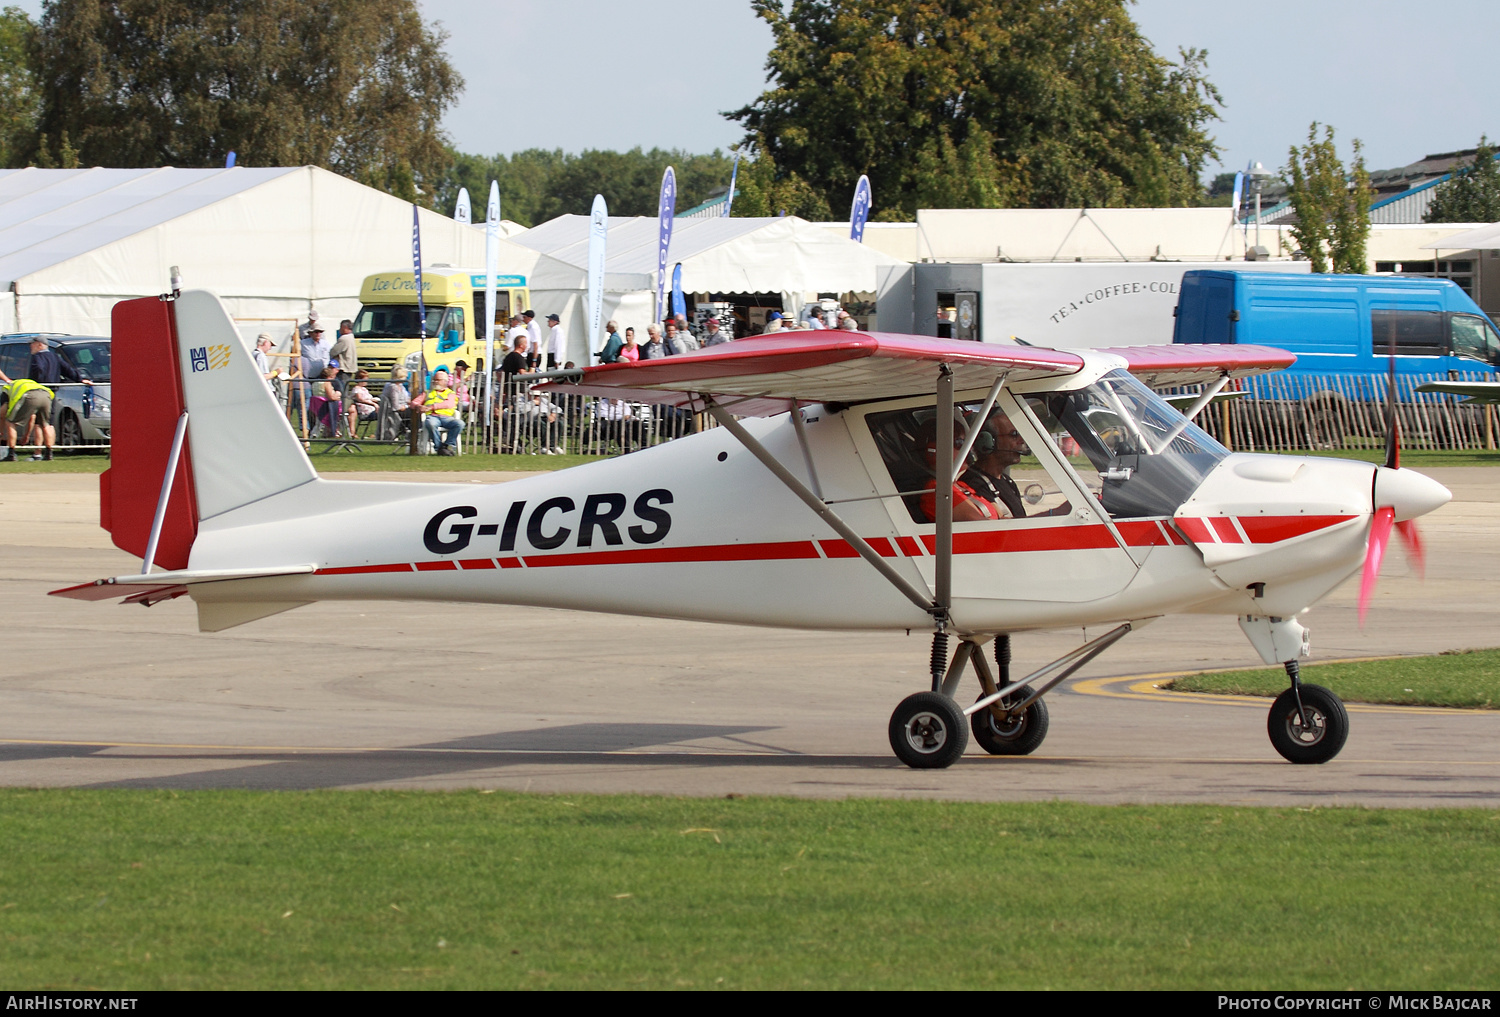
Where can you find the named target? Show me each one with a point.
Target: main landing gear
(929, 730)
(1308, 723)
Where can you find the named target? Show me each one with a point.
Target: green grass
(164, 890)
(1412, 457)
(1465, 679)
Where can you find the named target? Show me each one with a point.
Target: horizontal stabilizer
(216, 616)
(144, 588)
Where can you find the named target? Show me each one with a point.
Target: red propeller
(1381, 524)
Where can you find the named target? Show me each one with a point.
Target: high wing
(766, 375)
(1199, 363)
(1477, 391)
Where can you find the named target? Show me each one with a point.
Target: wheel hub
(926, 732)
(1307, 727)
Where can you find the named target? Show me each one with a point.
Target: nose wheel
(1308, 724)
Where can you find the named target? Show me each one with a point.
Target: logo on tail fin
(209, 358)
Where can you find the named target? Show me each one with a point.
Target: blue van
(1341, 324)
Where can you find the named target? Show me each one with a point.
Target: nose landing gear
(1308, 723)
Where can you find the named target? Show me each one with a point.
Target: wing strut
(729, 423)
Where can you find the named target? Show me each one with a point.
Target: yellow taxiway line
(1148, 687)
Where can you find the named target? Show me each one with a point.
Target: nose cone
(1408, 492)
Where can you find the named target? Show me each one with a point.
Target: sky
(1404, 78)
(594, 73)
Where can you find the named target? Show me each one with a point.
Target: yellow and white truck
(389, 327)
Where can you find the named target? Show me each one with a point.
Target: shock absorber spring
(1002, 659)
(939, 658)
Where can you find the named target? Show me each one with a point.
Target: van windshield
(396, 321)
(1132, 448)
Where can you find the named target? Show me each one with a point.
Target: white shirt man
(557, 343)
(533, 331)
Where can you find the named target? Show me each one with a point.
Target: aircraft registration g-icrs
(857, 481)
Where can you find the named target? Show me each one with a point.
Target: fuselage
(699, 529)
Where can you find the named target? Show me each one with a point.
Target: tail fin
(186, 355)
(243, 447)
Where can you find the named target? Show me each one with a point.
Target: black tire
(69, 430)
(928, 732)
(1315, 742)
(1018, 736)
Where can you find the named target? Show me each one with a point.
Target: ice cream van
(390, 327)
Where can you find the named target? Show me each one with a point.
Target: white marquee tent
(272, 242)
(784, 255)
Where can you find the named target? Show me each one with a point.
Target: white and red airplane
(815, 504)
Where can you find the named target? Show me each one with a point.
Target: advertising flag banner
(491, 265)
(461, 211)
(229, 160)
(679, 303)
(598, 234)
(1239, 193)
(733, 173)
(416, 269)
(666, 208)
(859, 214)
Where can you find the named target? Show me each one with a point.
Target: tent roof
(49, 216)
(727, 255)
(1485, 238)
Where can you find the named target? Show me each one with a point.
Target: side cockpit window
(999, 480)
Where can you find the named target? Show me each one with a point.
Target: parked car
(79, 412)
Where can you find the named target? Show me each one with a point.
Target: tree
(537, 185)
(357, 86)
(1472, 193)
(1333, 208)
(991, 103)
(18, 95)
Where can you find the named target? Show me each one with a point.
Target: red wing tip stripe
(477, 563)
(441, 565)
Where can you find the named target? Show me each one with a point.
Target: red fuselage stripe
(1137, 533)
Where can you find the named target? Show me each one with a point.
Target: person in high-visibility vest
(440, 404)
(21, 402)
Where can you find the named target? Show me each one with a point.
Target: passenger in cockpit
(968, 505)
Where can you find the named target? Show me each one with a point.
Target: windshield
(91, 359)
(396, 321)
(1139, 455)
(1473, 338)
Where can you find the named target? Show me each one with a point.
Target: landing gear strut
(1009, 719)
(1308, 723)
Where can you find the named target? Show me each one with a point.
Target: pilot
(999, 447)
(968, 506)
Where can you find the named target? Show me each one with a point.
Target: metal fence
(522, 419)
(1270, 413)
(1281, 413)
